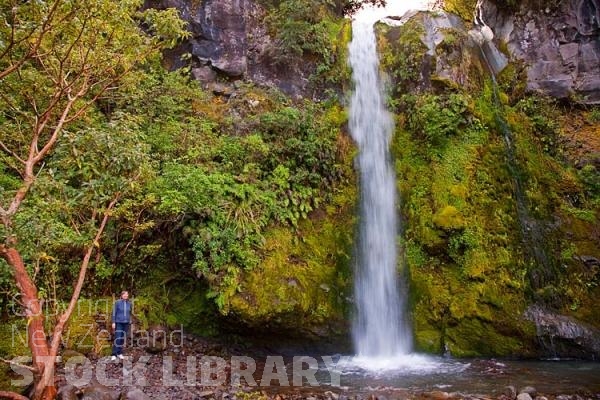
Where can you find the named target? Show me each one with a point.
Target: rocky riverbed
(198, 368)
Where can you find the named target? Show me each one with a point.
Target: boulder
(530, 390)
(564, 336)
(524, 396)
(96, 391)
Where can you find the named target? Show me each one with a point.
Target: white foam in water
(408, 364)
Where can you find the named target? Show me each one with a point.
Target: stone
(331, 395)
(204, 74)
(530, 390)
(231, 38)
(438, 395)
(510, 392)
(589, 261)
(524, 396)
(68, 392)
(569, 53)
(220, 89)
(564, 336)
(97, 391)
(135, 394)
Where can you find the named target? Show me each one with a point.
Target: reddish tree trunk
(35, 322)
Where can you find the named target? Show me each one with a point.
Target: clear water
(379, 328)
(419, 373)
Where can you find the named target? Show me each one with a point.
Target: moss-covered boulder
(302, 284)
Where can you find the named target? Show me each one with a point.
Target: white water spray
(380, 330)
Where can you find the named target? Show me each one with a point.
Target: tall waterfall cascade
(380, 329)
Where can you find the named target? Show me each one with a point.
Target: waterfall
(380, 329)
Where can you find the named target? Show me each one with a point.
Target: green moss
(87, 329)
(304, 276)
(474, 338)
(449, 218)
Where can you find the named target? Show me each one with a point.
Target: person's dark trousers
(121, 330)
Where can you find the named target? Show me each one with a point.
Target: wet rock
(564, 336)
(589, 261)
(524, 396)
(510, 392)
(453, 53)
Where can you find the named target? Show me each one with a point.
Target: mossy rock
(88, 329)
(475, 338)
(304, 278)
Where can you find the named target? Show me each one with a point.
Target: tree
(58, 60)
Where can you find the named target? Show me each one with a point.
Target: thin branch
(11, 153)
(46, 27)
(58, 329)
(18, 364)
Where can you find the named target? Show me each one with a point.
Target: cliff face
(230, 42)
(559, 44)
(473, 277)
(489, 175)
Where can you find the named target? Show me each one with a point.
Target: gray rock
(560, 48)
(204, 74)
(524, 396)
(531, 391)
(221, 89)
(230, 38)
(510, 392)
(564, 336)
(97, 391)
(589, 261)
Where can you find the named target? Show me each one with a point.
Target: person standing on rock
(121, 320)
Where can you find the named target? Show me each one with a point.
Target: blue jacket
(122, 311)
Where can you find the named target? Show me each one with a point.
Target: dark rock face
(218, 32)
(230, 40)
(561, 47)
(564, 336)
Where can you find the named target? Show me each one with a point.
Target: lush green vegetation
(472, 273)
(207, 186)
